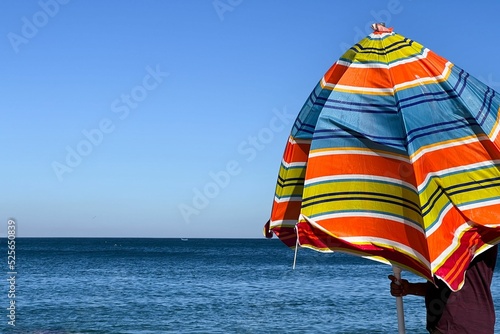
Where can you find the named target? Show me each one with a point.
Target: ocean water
(102, 285)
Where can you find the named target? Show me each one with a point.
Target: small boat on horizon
(184, 239)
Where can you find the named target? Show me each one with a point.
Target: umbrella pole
(295, 255)
(399, 303)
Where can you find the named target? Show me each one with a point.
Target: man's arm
(406, 288)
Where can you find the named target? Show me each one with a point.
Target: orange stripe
(328, 165)
(443, 236)
(367, 77)
(418, 69)
(484, 215)
(334, 73)
(377, 227)
(457, 156)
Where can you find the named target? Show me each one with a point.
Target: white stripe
(480, 205)
(495, 133)
(344, 177)
(285, 223)
(380, 36)
(293, 164)
(358, 152)
(295, 141)
(362, 214)
(288, 199)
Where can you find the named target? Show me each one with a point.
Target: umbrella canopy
(395, 156)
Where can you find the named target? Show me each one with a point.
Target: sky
(169, 118)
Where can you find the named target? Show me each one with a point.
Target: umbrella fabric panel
(478, 102)
(432, 119)
(351, 120)
(456, 167)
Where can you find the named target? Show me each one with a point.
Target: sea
(153, 285)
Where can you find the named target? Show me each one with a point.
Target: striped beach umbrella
(395, 156)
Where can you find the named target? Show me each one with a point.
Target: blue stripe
(441, 131)
(450, 94)
(364, 111)
(329, 134)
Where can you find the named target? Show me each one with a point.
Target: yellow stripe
(368, 202)
(392, 55)
(286, 174)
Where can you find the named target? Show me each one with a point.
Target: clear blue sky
(169, 118)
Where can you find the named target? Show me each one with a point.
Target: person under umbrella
(468, 310)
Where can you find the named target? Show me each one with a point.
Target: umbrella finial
(380, 27)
